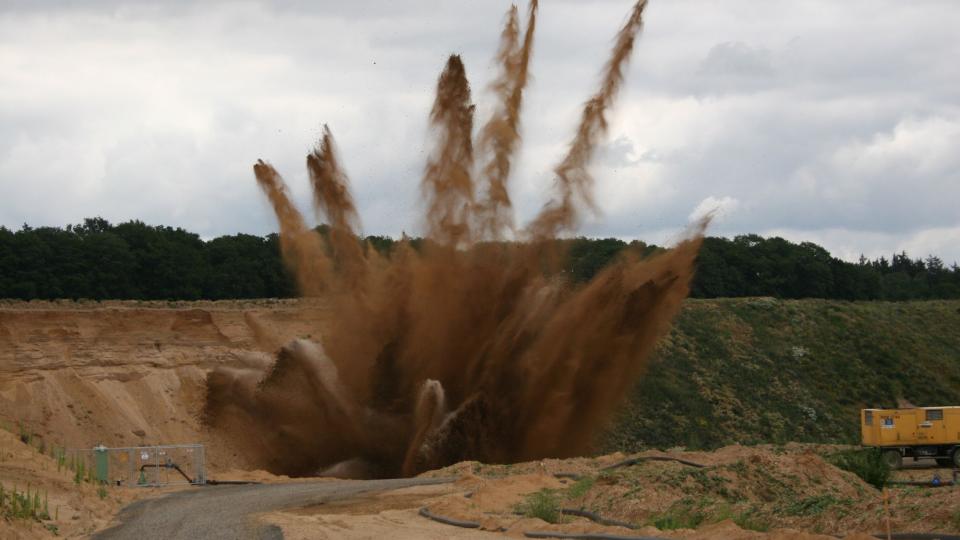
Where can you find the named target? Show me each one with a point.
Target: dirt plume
(447, 181)
(459, 348)
(332, 200)
(500, 136)
(302, 248)
(574, 182)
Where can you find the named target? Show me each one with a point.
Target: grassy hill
(753, 370)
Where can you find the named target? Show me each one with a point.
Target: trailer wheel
(955, 457)
(894, 460)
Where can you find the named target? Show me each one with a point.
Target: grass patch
(814, 506)
(15, 504)
(867, 463)
(544, 504)
(820, 360)
(684, 514)
(751, 521)
(581, 487)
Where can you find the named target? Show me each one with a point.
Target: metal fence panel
(157, 465)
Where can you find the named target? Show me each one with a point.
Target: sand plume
(447, 183)
(574, 183)
(461, 348)
(332, 200)
(500, 136)
(302, 248)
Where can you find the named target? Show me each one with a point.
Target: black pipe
(919, 536)
(449, 521)
(587, 536)
(634, 461)
(167, 466)
(230, 482)
(595, 517)
(601, 536)
(919, 483)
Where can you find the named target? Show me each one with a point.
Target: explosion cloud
(467, 347)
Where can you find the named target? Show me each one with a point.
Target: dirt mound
(740, 493)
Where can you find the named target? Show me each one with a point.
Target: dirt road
(228, 511)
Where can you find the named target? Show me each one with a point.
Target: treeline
(99, 260)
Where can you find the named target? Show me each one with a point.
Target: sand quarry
(128, 373)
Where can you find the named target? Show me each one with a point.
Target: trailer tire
(955, 458)
(893, 458)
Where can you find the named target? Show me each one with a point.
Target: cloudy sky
(823, 120)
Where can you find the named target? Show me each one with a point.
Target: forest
(98, 260)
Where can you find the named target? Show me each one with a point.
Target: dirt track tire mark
(228, 511)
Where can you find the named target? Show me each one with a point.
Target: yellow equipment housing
(918, 432)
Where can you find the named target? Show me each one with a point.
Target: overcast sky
(823, 120)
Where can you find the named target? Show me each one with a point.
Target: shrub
(866, 463)
(543, 504)
(684, 514)
(581, 487)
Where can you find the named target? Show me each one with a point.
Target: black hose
(449, 521)
(595, 517)
(919, 536)
(167, 466)
(587, 536)
(603, 536)
(634, 461)
(230, 482)
(918, 483)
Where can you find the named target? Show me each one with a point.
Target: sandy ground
(77, 374)
(792, 490)
(396, 514)
(133, 373)
(75, 510)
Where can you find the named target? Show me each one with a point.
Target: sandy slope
(129, 373)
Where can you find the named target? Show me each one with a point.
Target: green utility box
(102, 463)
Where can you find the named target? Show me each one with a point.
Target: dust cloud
(465, 346)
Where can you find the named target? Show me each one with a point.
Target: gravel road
(227, 511)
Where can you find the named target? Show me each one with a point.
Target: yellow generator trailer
(922, 432)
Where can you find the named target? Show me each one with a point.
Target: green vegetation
(98, 260)
(815, 505)
(581, 487)
(761, 370)
(684, 514)
(543, 504)
(867, 463)
(16, 504)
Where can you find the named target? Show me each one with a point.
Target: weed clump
(544, 504)
(867, 463)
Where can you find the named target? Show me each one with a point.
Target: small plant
(682, 515)
(814, 506)
(102, 492)
(78, 474)
(581, 487)
(543, 504)
(751, 522)
(25, 436)
(867, 463)
(21, 505)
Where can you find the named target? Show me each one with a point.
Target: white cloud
(717, 209)
(823, 119)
